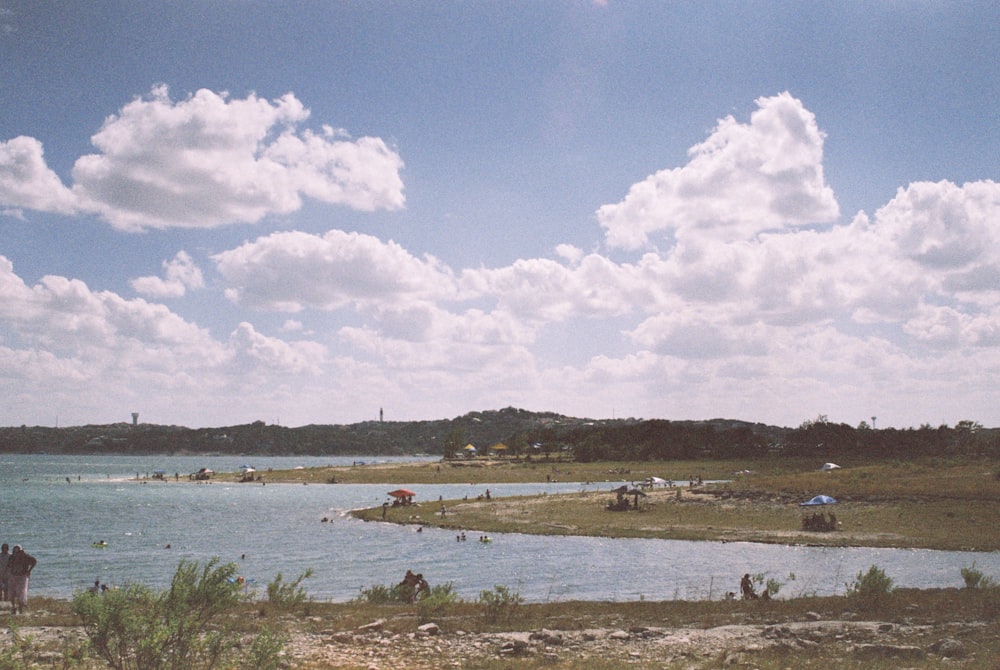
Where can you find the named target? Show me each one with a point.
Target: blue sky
(302, 212)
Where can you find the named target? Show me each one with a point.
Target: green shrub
(773, 586)
(499, 604)
(870, 587)
(287, 596)
(768, 585)
(436, 602)
(265, 651)
(380, 594)
(186, 626)
(976, 579)
(20, 653)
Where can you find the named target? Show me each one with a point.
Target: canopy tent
(830, 466)
(402, 493)
(653, 481)
(818, 500)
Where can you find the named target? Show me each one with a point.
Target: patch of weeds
(20, 653)
(977, 579)
(288, 596)
(189, 625)
(870, 588)
(500, 604)
(436, 602)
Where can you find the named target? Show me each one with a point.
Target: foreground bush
(870, 588)
(500, 604)
(288, 596)
(977, 579)
(190, 625)
(436, 602)
(380, 594)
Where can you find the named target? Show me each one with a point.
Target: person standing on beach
(4, 558)
(19, 569)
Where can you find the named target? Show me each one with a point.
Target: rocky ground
(373, 648)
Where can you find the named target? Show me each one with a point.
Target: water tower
(135, 419)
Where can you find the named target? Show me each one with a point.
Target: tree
(453, 443)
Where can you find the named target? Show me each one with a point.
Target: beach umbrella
(830, 466)
(818, 500)
(636, 492)
(402, 493)
(653, 481)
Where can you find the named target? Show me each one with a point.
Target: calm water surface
(279, 528)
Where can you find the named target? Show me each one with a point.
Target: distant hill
(481, 429)
(521, 432)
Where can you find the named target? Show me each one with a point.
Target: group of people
(818, 521)
(414, 587)
(15, 570)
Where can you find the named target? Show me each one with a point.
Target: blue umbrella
(819, 500)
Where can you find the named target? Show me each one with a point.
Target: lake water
(279, 528)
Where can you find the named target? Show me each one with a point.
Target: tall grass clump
(436, 602)
(986, 588)
(288, 596)
(189, 625)
(380, 594)
(500, 604)
(977, 579)
(870, 588)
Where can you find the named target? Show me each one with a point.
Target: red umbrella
(402, 493)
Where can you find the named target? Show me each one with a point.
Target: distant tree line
(523, 434)
(820, 438)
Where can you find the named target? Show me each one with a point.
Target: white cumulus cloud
(291, 271)
(26, 181)
(744, 179)
(204, 161)
(180, 274)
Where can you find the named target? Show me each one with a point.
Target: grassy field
(935, 505)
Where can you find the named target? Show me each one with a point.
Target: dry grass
(923, 505)
(932, 478)
(503, 471)
(945, 524)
